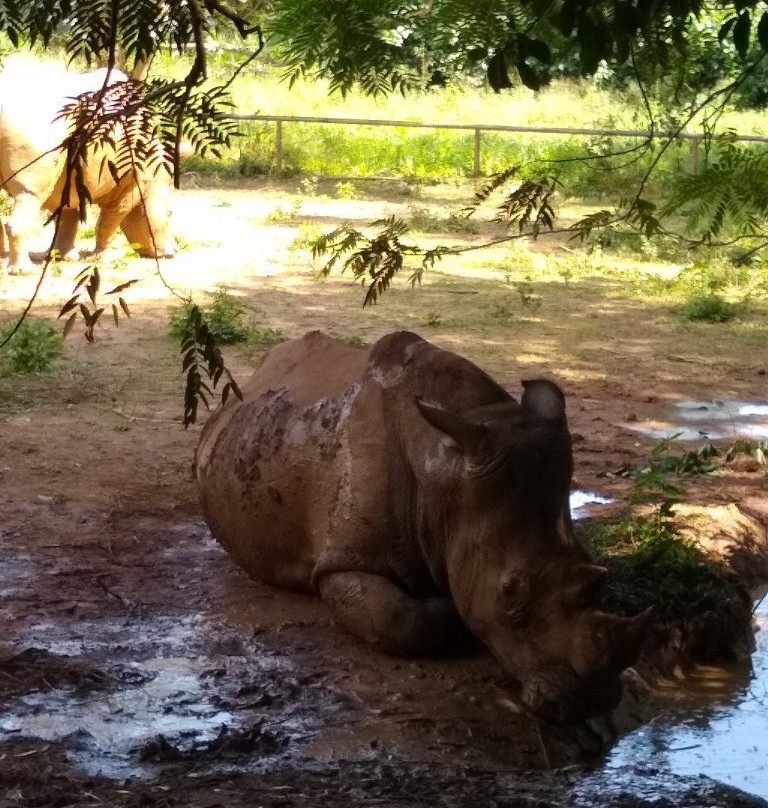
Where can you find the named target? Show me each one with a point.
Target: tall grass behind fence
(424, 154)
(364, 151)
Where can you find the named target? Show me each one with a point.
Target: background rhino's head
(522, 582)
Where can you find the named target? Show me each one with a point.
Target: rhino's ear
(544, 398)
(468, 436)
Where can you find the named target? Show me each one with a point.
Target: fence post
(695, 155)
(279, 146)
(476, 166)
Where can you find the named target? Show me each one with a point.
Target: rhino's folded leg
(378, 610)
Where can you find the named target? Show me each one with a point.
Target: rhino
(32, 169)
(418, 498)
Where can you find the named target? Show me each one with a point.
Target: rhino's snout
(583, 701)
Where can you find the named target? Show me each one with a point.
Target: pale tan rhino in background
(32, 169)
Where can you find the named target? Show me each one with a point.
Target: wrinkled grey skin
(413, 494)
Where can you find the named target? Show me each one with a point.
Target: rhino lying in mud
(413, 494)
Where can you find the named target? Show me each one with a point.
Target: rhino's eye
(516, 597)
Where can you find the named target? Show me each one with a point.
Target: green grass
(650, 564)
(360, 151)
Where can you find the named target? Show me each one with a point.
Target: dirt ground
(140, 667)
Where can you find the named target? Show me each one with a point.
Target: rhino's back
(31, 98)
(270, 468)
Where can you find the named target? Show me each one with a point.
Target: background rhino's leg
(378, 610)
(65, 237)
(110, 219)
(149, 231)
(22, 225)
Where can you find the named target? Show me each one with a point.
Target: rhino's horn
(544, 398)
(625, 637)
(469, 436)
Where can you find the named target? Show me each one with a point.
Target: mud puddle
(715, 727)
(120, 719)
(709, 420)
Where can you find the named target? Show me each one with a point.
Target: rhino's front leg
(378, 610)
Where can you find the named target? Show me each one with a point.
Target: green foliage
(424, 220)
(201, 359)
(729, 195)
(281, 215)
(224, 319)
(346, 190)
(308, 234)
(756, 449)
(653, 482)
(708, 308)
(375, 261)
(84, 305)
(33, 348)
(650, 564)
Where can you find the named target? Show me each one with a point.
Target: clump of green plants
(346, 190)
(282, 215)
(306, 237)
(526, 291)
(265, 336)
(225, 317)
(710, 308)
(434, 319)
(33, 348)
(653, 482)
(756, 449)
(650, 564)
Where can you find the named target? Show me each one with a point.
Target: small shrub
(424, 220)
(434, 319)
(504, 311)
(707, 308)
(309, 186)
(308, 234)
(346, 190)
(281, 215)
(528, 297)
(34, 347)
(224, 317)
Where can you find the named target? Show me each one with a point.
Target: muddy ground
(139, 667)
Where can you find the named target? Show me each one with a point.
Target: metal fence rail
(695, 138)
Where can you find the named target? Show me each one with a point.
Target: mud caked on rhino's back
(271, 468)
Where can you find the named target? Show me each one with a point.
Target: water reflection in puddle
(167, 694)
(106, 726)
(581, 501)
(727, 742)
(712, 420)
